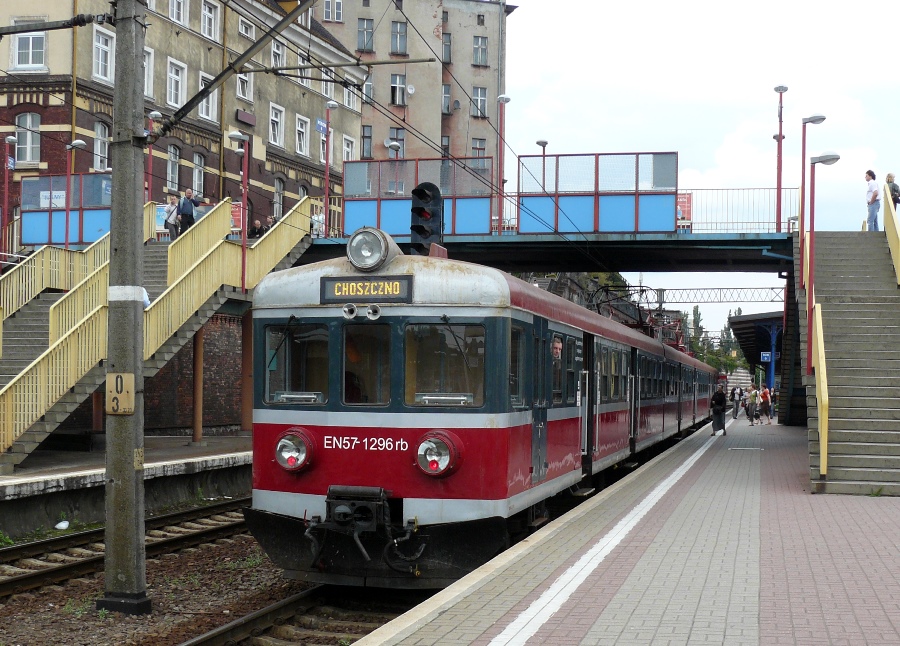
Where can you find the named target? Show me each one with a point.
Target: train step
(537, 523)
(581, 492)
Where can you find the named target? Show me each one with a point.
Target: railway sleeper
(293, 633)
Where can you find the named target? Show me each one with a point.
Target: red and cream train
(412, 413)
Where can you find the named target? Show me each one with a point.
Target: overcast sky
(698, 78)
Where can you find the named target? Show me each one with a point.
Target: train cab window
(445, 365)
(570, 370)
(517, 368)
(367, 364)
(296, 364)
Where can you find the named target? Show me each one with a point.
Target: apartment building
(59, 86)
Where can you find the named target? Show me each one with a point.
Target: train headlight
(293, 450)
(369, 249)
(439, 453)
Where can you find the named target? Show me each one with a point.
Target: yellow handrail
(83, 299)
(817, 337)
(805, 267)
(278, 241)
(150, 221)
(892, 229)
(200, 238)
(25, 399)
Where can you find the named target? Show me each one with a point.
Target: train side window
(367, 364)
(445, 365)
(614, 375)
(517, 367)
(570, 370)
(296, 364)
(623, 376)
(604, 375)
(556, 346)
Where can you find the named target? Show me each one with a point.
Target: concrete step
(852, 461)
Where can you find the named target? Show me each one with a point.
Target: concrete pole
(199, 337)
(125, 557)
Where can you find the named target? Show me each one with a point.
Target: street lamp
(244, 150)
(4, 222)
(501, 144)
(781, 89)
(816, 118)
(80, 145)
(151, 118)
(828, 159)
(543, 144)
(329, 106)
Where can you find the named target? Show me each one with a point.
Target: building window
(479, 148)
(245, 87)
(398, 37)
(479, 101)
(104, 54)
(277, 54)
(398, 89)
(101, 146)
(208, 106)
(334, 10)
(172, 168)
(350, 97)
(327, 82)
(197, 176)
(276, 125)
(29, 48)
(349, 148)
(178, 11)
(445, 16)
(481, 20)
(302, 136)
(445, 98)
(278, 202)
(446, 41)
(246, 29)
(209, 20)
(365, 33)
(330, 143)
(28, 137)
(175, 78)
(398, 135)
(368, 89)
(148, 73)
(366, 142)
(398, 4)
(445, 146)
(479, 51)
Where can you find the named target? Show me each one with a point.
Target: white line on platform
(523, 627)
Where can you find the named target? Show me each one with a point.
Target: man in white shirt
(873, 201)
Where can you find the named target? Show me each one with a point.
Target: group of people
(258, 230)
(757, 403)
(180, 213)
(873, 198)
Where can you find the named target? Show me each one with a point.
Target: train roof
(442, 281)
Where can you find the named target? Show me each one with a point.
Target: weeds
(876, 493)
(253, 560)
(4, 541)
(78, 608)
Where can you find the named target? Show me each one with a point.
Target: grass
(78, 608)
(253, 560)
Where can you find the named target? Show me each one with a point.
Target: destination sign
(368, 289)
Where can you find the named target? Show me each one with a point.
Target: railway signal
(426, 218)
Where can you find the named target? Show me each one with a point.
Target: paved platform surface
(717, 541)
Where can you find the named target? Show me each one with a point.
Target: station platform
(50, 485)
(716, 541)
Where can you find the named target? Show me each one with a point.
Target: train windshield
(444, 365)
(297, 364)
(367, 364)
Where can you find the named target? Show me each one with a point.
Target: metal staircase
(186, 290)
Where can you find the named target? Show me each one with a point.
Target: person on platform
(257, 230)
(719, 404)
(186, 209)
(765, 404)
(737, 396)
(752, 400)
(172, 217)
(873, 201)
(894, 189)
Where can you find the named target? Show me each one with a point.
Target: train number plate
(356, 443)
(367, 289)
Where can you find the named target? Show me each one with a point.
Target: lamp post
(329, 106)
(502, 100)
(70, 148)
(244, 151)
(10, 140)
(781, 89)
(151, 118)
(827, 159)
(816, 118)
(394, 146)
(543, 144)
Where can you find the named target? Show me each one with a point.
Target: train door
(540, 400)
(586, 403)
(634, 400)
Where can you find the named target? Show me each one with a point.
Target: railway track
(319, 615)
(33, 565)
